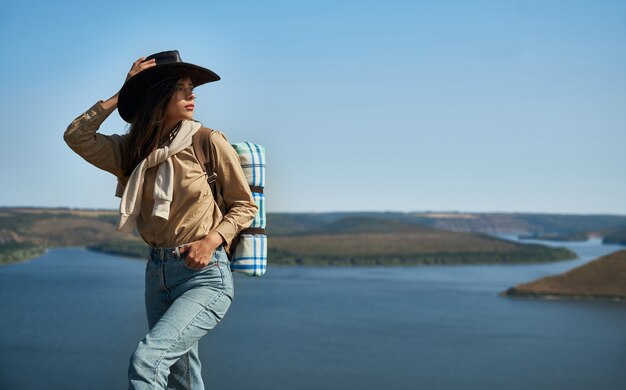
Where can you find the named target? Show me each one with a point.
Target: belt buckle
(176, 252)
(159, 252)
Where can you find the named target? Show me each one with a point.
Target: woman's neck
(170, 131)
(170, 125)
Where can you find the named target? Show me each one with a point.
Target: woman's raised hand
(137, 67)
(140, 65)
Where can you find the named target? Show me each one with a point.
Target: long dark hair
(146, 129)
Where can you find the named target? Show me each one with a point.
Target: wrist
(110, 103)
(214, 238)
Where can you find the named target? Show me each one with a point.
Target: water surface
(71, 319)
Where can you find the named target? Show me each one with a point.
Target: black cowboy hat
(168, 66)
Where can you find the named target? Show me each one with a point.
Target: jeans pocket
(227, 279)
(211, 263)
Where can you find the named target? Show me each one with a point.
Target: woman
(165, 195)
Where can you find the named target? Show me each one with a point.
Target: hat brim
(134, 87)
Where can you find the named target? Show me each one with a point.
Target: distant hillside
(603, 278)
(363, 224)
(548, 225)
(308, 239)
(280, 224)
(615, 236)
(577, 236)
(60, 227)
(26, 232)
(523, 223)
(373, 240)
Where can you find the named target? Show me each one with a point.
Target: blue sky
(516, 106)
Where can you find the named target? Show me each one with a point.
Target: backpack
(248, 250)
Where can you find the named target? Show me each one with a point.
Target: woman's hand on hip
(200, 253)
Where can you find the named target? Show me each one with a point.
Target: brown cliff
(601, 279)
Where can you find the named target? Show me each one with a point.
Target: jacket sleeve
(103, 151)
(240, 206)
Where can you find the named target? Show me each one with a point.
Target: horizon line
(459, 212)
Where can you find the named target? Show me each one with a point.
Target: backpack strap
(205, 153)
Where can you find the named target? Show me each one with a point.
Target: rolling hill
(603, 278)
(350, 238)
(356, 240)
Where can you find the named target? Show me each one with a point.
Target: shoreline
(547, 296)
(21, 255)
(602, 279)
(417, 262)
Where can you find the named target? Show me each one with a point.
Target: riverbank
(564, 297)
(327, 328)
(603, 279)
(322, 239)
(16, 252)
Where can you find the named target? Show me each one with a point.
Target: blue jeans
(182, 306)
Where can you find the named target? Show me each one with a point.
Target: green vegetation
(15, 252)
(521, 223)
(137, 249)
(374, 241)
(576, 236)
(567, 224)
(282, 258)
(615, 236)
(603, 278)
(26, 232)
(350, 238)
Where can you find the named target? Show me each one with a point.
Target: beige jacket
(193, 212)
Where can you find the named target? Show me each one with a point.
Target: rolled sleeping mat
(259, 221)
(250, 257)
(250, 253)
(252, 159)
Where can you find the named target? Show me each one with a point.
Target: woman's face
(181, 104)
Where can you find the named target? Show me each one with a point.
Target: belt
(164, 253)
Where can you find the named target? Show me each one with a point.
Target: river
(71, 318)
